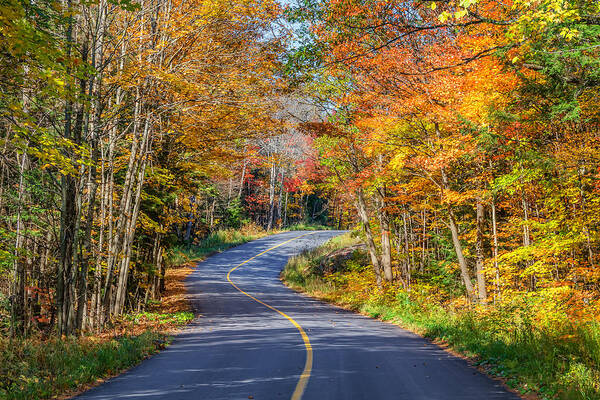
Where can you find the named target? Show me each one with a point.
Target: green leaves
(126, 5)
(557, 41)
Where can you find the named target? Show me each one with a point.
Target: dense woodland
(128, 128)
(467, 134)
(462, 137)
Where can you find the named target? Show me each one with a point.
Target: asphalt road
(240, 349)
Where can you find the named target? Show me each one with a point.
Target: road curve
(241, 349)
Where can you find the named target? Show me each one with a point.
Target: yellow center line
(303, 381)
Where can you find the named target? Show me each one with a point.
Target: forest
(467, 133)
(129, 128)
(459, 139)
(467, 136)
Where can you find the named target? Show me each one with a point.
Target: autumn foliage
(466, 133)
(461, 136)
(129, 129)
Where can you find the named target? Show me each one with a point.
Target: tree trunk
(124, 213)
(364, 219)
(481, 290)
(462, 262)
(129, 227)
(407, 258)
(271, 212)
(243, 176)
(386, 248)
(527, 236)
(285, 210)
(68, 212)
(464, 269)
(18, 286)
(495, 249)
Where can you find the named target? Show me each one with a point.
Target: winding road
(257, 339)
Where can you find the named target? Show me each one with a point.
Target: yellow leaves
(212, 72)
(487, 87)
(57, 152)
(399, 160)
(569, 33)
(147, 224)
(460, 13)
(443, 17)
(467, 3)
(458, 198)
(538, 16)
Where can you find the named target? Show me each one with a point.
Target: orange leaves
(486, 87)
(213, 73)
(460, 198)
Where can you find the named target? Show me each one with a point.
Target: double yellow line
(303, 381)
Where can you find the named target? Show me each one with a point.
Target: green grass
(305, 226)
(555, 364)
(558, 362)
(301, 272)
(161, 319)
(215, 242)
(37, 369)
(34, 369)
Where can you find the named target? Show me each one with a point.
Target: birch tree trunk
(464, 270)
(18, 285)
(495, 248)
(272, 184)
(480, 258)
(366, 224)
(462, 262)
(132, 210)
(242, 178)
(386, 248)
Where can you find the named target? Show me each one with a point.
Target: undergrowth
(304, 226)
(161, 319)
(35, 369)
(552, 356)
(39, 368)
